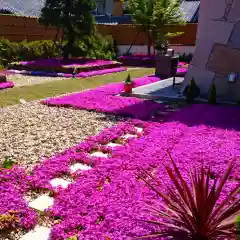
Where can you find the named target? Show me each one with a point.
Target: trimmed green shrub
(128, 80)
(186, 57)
(18, 51)
(192, 92)
(212, 98)
(96, 47)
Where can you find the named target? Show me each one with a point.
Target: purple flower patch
(110, 101)
(4, 85)
(57, 65)
(14, 183)
(107, 200)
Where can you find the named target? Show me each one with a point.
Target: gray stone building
(217, 54)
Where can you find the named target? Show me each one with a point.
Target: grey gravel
(25, 80)
(32, 131)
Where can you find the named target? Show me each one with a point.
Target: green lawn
(55, 88)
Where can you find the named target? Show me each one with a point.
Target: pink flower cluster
(13, 184)
(70, 75)
(8, 84)
(57, 65)
(107, 200)
(106, 99)
(72, 63)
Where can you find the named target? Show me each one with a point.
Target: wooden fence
(18, 28)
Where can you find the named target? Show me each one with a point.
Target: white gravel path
(32, 131)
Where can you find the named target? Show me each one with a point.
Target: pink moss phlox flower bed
(13, 184)
(106, 99)
(8, 84)
(58, 65)
(106, 201)
(70, 75)
(109, 198)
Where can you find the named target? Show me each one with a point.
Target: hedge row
(94, 47)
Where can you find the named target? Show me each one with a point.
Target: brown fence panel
(18, 28)
(126, 34)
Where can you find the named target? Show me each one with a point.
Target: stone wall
(217, 51)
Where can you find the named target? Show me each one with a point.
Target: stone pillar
(217, 52)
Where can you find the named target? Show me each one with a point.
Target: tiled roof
(191, 10)
(23, 7)
(32, 8)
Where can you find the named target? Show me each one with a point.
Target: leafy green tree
(153, 16)
(142, 14)
(5, 11)
(73, 16)
(166, 12)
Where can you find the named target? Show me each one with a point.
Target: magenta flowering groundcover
(13, 185)
(106, 99)
(107, 201)
(60, 66)
(70, 75)
(8, 84)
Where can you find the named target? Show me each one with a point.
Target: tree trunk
(68, 48)
(149, 42)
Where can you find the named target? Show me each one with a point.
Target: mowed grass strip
(55, 88)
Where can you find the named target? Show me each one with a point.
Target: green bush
(17, 51)
(186, 57)
(212, 98)
(96, 47)
(192, 92)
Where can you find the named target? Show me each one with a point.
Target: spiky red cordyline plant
(193, 212)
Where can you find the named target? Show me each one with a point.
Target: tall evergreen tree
(73, 16)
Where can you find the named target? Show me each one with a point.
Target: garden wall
(16, 28)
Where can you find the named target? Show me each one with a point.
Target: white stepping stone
(41, 203)
(79, 166)
(129, 136)
(39, 233)
(99, 154)
(139, 130)
(59, 182)
(113, 145)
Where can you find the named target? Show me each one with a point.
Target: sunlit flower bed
(8, 84)
(60, 66)
(106, 201)
(107, 99)
(69, 75)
